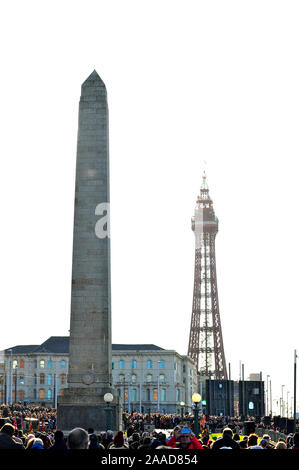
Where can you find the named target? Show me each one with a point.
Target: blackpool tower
(205, 340)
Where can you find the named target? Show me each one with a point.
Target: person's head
(176, 431)
(227, 432)
(185, 437)
(109, 436)
(30, 443)
(266, 437)
(243, 444)
(119, 439)
(281, 445)
(37, 444)
(78, 439)
(8, 429)
(135, 437)
(58, 436)
(252, 440)
(93, 441)
(264, 443)
(147, 441)
(90, 430)
(236, 437)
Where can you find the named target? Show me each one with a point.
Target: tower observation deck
(205, 340)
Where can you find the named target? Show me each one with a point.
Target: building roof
(60, 345)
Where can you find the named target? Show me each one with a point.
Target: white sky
(187, 81)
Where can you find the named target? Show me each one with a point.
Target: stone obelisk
(89, 375)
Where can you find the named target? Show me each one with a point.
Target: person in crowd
(280, 445)
(78, 439)
(295, 441)
(226, 441)
(94, 442)
(7, 440)
(134, 441)
(186, 440)
(107, 438)
(119, 441)
(59, 442)
(37, 444)
(145, 443)
(253, 442)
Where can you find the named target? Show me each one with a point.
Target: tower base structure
(86, 408)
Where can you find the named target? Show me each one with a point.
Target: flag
(30, 427)
(15, 423)
(43, 426)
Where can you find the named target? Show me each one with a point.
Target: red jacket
(194, 444)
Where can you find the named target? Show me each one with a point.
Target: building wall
(41, 376)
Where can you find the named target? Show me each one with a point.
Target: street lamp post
(271, 398)
(282, 408)
(9, 381)
(182, 412)
(267, 410)
(16, 384)
(108, 397)
(196, 398)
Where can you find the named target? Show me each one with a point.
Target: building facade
(145, 376)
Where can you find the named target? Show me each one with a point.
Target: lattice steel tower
(205, 340)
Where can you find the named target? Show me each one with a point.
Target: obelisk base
(86, 408)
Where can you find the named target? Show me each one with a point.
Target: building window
(50, 364)
(121, 378)
(178, 394)
(14, 364)
(63, 379)
(149, 377)
(134, 364)
(42, 379)
(190, 371)
(22, 364)
(21, 379)
(21, 395)
(126, 394)
(49, 394)
(161, 378)
(112, 365)
(121, 364)
(133, 396)
(148, 394)
(49, 379)
(162, 364)
(62, 364)
(134, 378)
(41, 364)
(175, 366)
(184, 368)
(35, 379)
(149, 364)
(41, 393)
(155, 394)
(163, 394)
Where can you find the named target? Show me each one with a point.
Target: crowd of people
(30, 427)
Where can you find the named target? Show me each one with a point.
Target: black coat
(225, 441)
(7, 442)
